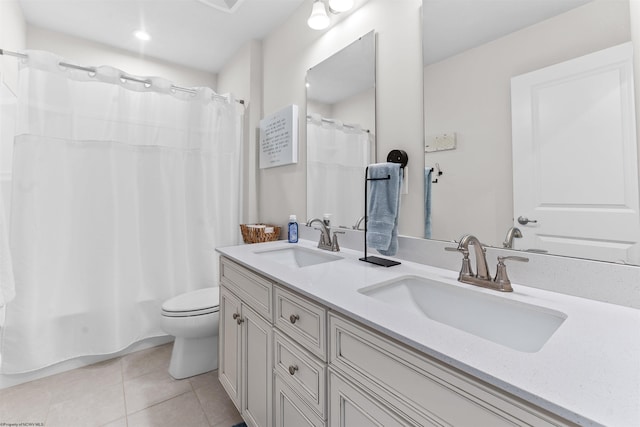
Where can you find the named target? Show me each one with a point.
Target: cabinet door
(351, 407)
(257, 369)
(290, 409)
(230, 345)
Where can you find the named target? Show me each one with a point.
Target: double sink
(520, 326)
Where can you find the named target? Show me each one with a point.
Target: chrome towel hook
(435, 181)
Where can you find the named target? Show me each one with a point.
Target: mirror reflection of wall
(467, 91)
(340, 132)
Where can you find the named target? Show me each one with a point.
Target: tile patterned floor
(130, 391)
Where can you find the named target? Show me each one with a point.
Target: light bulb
(340, 5)
(319, 20)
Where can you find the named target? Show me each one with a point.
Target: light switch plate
(440, 142)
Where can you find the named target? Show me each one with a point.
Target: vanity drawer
(302, 320)
(253, 289)
(303, 372)
(421, 387)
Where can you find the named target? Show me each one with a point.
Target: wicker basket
(255, 233)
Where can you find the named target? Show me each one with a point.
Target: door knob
(524, 220)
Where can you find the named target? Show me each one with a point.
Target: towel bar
(395, 156)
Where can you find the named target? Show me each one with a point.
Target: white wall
(294, 48)
(242, 76)
(470, 94)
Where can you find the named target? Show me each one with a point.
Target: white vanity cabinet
(288, 361)
(246, 342)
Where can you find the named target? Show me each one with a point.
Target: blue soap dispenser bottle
(293, 229)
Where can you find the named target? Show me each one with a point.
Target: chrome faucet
(325, 236)
(483, 278)
(512, 233)
(358, 222)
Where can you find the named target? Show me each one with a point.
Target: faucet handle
(501, 279)
(465, 270)
(335, 247)
(463, 251)
(501, 259)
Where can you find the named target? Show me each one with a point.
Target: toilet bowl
(192, 318)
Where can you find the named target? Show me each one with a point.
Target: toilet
(192, 318)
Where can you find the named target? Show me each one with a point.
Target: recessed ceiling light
(142, 35)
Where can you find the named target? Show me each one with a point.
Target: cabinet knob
(239, 320)
(293, 369)
(235, 316)
(293, 318)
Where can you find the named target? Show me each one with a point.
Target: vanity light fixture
(142, 35)
(340, 5)
(319, 19)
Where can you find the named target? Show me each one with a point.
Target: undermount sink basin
(297, 257)
(517, 325)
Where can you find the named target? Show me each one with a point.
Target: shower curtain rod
(146, 82)
(330, 121)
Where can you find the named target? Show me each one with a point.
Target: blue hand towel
(384, 206)
(427, 202)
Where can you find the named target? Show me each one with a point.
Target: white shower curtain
(121, 192)
(337, 157)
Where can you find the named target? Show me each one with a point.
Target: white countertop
(588, 372)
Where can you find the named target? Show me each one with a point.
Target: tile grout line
(157, 403)
(193, 389)
(124, 401)
(206, 416)
(124, 397)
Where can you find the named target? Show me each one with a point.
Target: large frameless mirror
(529, 133)
(341, 124)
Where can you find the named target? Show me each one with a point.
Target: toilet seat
(194, 303)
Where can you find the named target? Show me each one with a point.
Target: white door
(575, 159)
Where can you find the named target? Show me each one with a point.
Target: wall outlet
(440, 142)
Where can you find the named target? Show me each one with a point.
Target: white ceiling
(188, 32)
(198, 34)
